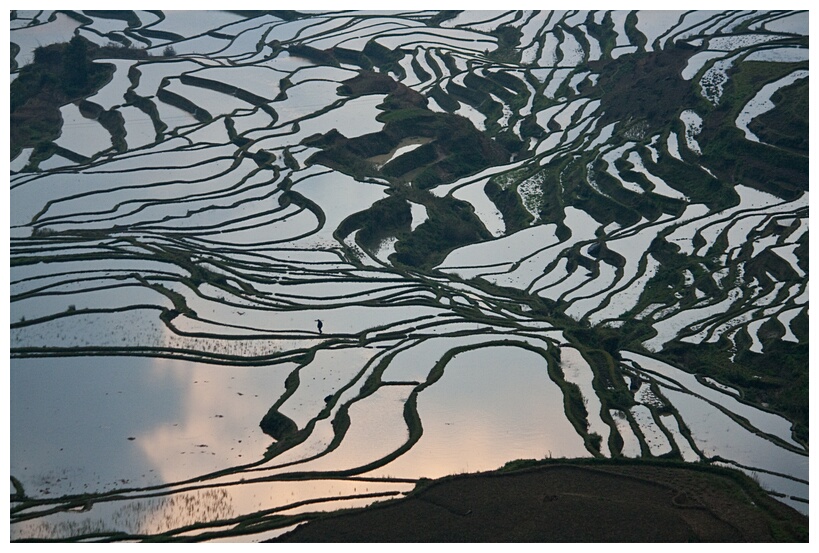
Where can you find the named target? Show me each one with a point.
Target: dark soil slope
(572, 503)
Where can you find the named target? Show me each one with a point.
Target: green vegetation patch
(781, 387)
(451, 224)
(644, 86)
(781, 170)
(388, 217)
(786, 126)
(455, 147)
(60, 74)
(508, 202)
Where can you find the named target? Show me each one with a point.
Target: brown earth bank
(571, 503)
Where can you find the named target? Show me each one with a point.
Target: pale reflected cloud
(219, 413)
(492, 405)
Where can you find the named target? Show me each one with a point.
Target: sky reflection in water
(71, 420)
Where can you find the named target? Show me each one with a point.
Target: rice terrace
(409, 276)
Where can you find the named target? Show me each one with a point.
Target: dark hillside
(565, 502)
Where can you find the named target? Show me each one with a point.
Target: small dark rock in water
(131, 438)
(276, 425)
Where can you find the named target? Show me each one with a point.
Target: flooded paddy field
(267, 265)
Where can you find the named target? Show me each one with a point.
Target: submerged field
(270, 264)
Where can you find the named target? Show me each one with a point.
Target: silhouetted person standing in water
(319, 324)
